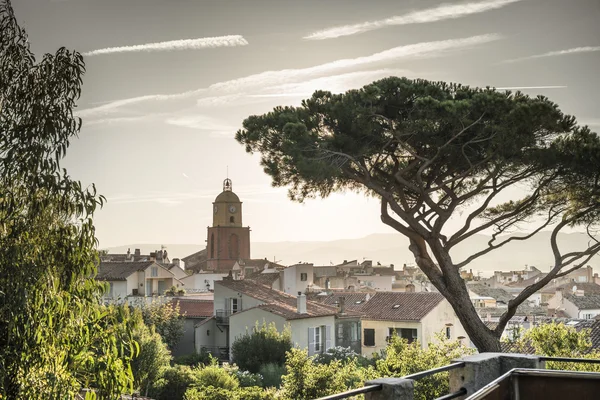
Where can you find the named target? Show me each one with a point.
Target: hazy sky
(168, 83)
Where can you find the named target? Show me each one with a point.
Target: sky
(169, 82)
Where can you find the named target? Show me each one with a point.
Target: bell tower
(227, 240)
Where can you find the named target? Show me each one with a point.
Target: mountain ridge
(390, 248)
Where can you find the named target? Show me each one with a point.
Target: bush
(248, 379)
(344, 354)
(212, 393)
(194, 359)
(264, 345)
(271, 374)
(173, 383)
(152, 360)
(167, 321)
(215, 376)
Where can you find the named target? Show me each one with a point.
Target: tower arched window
(234, 246)
(232, 219)
(212, 245)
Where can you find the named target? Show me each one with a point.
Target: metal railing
(222, 316)
(415, 376)
(219, 352)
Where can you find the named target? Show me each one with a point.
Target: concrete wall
(186, 344)
(208, 334)
(198, 281)
(382, 332)
(243, 322)
(381, 283)
(436, 321)
(300, 329)
(221, 293)
(588, 314)
(292, 284)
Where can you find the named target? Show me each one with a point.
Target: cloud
(233, 90)
(202, 122)
(183, 44)
(575, 50)
(439, 13)
(530, 87)
(423, 49)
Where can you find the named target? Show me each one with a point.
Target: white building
(135, 279)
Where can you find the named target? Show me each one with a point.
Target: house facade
(135, 279)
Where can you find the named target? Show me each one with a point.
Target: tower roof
(227, 196)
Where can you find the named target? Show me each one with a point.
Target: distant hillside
(393, 249)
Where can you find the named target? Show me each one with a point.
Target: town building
(581, 300)
(133, 279)
(193, 311)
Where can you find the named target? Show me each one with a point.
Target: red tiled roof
(279, 302)
(264, 279)
(194, 308)
(399, 306)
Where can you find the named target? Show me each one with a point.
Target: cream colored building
(135, 279)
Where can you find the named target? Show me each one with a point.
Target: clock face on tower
(232, 209)
(215, 209)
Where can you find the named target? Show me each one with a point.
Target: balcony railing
(222, 316)
(219, 352)
(414, 377)
(516, 376)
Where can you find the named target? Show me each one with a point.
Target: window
(369, 335)
(234, 305)
(340, 331)
(232, 219)
(154, 271)
(234, 246)
(303, 276)
(318, 339)
(448, 333)
(212, 245)
(406, 333)
(110, 290)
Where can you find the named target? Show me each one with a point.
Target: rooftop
(195, 308)
(486, 291)
(279, 302)
(585, 302)
(119, 271)
(398, 306)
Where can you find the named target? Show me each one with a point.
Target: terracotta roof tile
(585, 302)
(278, 302)
(399, 306)
(194, 308)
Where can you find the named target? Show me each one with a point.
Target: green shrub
(271, 374)
(215, 376)
(264, 345)
(173, 383)
(194, 359)
(212, 393)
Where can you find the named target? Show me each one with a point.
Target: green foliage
(342, 354)
(262, 346)
(173, 383)
(245, 378)
(403, 358)
(213, 375)
(435, 150)
(306, 379)
(212, 393)
(194, 359)
(271, 374)
(55, 337)
(152, 360)
(559, 340)
(166, 319)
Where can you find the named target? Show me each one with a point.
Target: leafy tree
(262, 346)
(194, 359)
(271, 374)
(307, 379)
(558, 340)
(403, 358)
(166, 319)
(213, 375)
(173, 383)
(55, 337)
(152, 360)
(431, 151)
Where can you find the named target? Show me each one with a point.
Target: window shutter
(311, 341)
(327, 337)
(227, 304)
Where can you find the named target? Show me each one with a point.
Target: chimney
(137, 252)
(342, 301)
(301, 303)
(176, 262)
